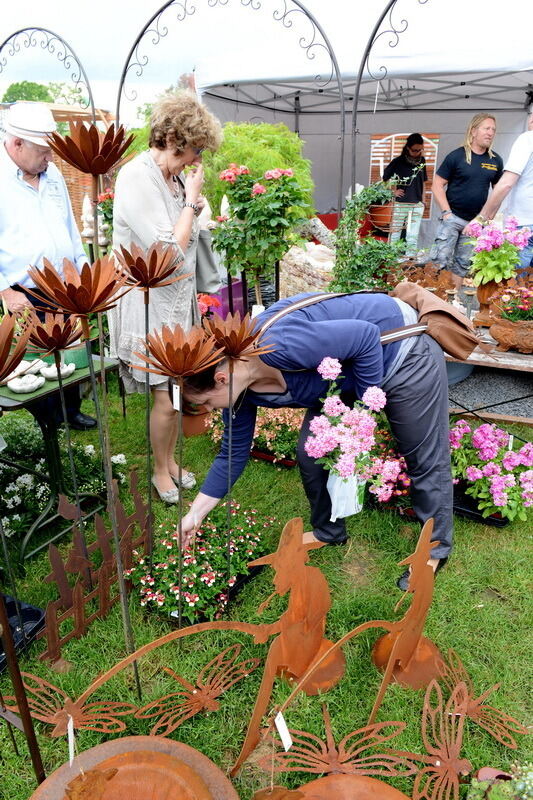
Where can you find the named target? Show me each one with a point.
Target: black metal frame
(136, 61)
(394, 30)
(55, 45)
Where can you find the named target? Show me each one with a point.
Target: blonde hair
(178, 120)
(475, 122)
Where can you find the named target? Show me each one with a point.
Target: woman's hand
(189, 525)
(194, 182)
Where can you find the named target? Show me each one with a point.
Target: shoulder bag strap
(387, 337)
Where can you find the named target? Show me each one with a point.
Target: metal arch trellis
(54, 44)
(393, 31)
(155, 28)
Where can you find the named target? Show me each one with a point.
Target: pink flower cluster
(342, 436)
(496, 473)
(385, 475)
(490, 237)
(232, 172)
(274, 174)
(258, 188)
(488, 440)
(329, 368)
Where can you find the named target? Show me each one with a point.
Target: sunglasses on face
(198, 151)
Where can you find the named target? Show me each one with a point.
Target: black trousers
(52, 405)
(417, 410)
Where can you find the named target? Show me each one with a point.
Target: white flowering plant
(204, 577)
(25, 493)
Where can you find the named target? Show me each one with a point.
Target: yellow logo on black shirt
(487, 165)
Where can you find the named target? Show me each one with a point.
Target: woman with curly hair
(156, 202)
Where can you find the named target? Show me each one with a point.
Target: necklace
(239, 403)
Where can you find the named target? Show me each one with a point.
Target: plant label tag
(176, 397)
(3, 443)
(70, 735)
(281, 725)
(511, 441)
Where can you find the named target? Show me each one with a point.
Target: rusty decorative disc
(349, 787)
(148, 768)
(422, 668)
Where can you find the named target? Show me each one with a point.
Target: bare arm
(193, 186)
(498, 194)
(438, 187)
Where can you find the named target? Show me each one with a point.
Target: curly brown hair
(178, 120)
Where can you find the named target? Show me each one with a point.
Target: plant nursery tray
(463, 506)
(264, 455)
(33, 620)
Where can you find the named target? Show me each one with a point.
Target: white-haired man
(36, 219)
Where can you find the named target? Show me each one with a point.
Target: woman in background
(410, 168)
(156, 202)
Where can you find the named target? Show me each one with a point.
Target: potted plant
(500, 479)
(513, 329)
(264, 211)
(490, 784)
(275, 437)
(204, 569)
(367, 264)
(495, 258)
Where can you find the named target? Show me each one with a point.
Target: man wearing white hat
(36, 218)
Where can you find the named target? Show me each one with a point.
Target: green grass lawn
(482, 608)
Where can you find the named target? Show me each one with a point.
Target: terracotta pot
(513, 335)
(381, 216)
(484, 293)
(141, 768)
(195, 423)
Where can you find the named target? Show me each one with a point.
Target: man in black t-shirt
(410, 168)
(460, 187)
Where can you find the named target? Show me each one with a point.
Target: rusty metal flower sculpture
(12, 346)
(96, 288)
(177, 354)
(152, 268)
(55, 333)
(90, 150)
(499, 724)
(238, 338)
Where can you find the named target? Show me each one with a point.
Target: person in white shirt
(517, 182)
(36, 219)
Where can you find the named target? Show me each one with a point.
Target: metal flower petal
(90, 150)
(238, 338)
(96, 288)
(12, 345)
(151, 268)
(176, 354)
(55, 333)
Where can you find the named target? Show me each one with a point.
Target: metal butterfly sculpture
(49, 704)
(309, 753)
(214, 679)
(442, 734)
(499, 724)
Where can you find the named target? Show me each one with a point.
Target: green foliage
(261, 147)
(497, 265)
(264, 210)
(365, 264)
(28, 90)
(520, 787)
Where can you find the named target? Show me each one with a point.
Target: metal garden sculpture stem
(97, 288)
(176, 354)
(151, 269)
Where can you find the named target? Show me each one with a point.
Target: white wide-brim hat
(30, 121)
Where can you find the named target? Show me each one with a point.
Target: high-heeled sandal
(188, 480)
(403, 581)
(171, 496)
